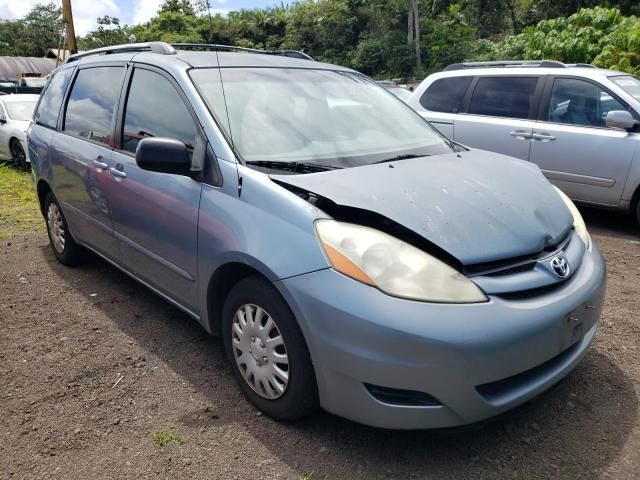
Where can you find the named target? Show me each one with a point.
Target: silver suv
(578, 123)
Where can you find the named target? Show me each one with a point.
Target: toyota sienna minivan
(349, 255)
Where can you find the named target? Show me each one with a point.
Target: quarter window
(445, 94)
(155, 109)
(51, 100)
(577, 102)
(509, 97)
(92, 103)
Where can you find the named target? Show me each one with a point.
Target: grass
(166, 436)
(18, 206)
(309, 476)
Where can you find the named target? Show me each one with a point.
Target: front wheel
(66, 250)
(268, 354)
(18, 155)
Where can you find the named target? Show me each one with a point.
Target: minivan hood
(478, 206)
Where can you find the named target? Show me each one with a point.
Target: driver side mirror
(621, 119)
(3, 120)
(163, 155)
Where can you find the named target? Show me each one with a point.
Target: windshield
(629, 84)
(22, 110)
(326, 117)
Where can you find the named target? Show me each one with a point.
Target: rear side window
(446, 94)
(155, 109)
(51, 100)
(92, 101)
(509, 97)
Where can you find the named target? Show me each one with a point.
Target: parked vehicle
(579, 124)
(15, 113)
(399, 91)
(348, 254)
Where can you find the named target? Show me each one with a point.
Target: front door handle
(100, 164)
(543, 137)
(117, 173)
(521, 134)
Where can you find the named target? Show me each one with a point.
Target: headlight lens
(578, 222)
(395, 267)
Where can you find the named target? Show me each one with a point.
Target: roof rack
(155, 47)
(507, 64)
(214, 47)
(164, 48)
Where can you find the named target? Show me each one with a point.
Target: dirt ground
(92, 366)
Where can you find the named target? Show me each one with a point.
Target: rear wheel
(66, 250)
(638, 212)
(18, 155)
(267, 352)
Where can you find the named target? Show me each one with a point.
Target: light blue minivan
(349, 255)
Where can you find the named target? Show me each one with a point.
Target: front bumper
(471, 358)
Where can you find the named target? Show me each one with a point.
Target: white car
(15, 113)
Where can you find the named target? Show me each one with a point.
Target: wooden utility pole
(67, 19)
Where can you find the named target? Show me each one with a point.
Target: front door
(575, 149)
(155, 215)
(499, 115)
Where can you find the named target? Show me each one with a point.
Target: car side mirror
(621, 119)
(163, 155)
(3, 120)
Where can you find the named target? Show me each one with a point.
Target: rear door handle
(521, 134)
(100, 164)
(117, 173)
(543, 137)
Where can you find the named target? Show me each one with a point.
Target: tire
(64, 247)
(18, 155)
(298, 398)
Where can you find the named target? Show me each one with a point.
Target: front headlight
(395, 267)
(578, 222)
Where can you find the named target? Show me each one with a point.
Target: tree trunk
(409, 22)
(416, 19)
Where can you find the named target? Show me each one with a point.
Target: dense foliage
(384, 38)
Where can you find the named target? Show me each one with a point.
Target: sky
(129, 12)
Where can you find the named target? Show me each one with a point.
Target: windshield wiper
(293, 166)
(406, 156)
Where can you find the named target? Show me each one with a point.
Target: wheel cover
(260, 351)
(55, 225)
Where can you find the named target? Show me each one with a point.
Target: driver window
(155, 109)
(577, 102)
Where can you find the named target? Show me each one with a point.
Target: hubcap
(260, 352)
(56, 227)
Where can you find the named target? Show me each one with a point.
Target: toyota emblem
(560, 267)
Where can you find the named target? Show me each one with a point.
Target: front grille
(518, 264)
(532, 292)
(495, 391)
(406, 398)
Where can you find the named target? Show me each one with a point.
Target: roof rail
(506, 64)
(213, 47)
(581, 65)
(162, 48)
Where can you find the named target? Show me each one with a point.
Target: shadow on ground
(610, 223)
(575, 430)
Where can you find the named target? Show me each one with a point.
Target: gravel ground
(92, 365)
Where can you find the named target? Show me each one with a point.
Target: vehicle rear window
(92, 103)
(21, 111)
(51, 100)
(445, 94)
(503, 96)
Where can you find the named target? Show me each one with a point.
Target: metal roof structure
(12, 67)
